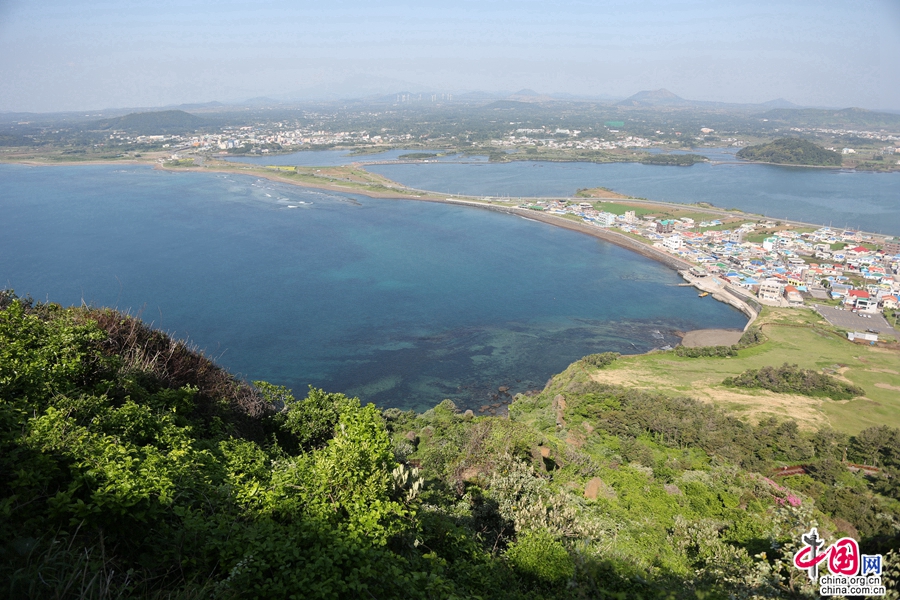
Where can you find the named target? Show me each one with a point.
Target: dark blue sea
(403, 303)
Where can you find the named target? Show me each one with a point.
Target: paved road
(855, 322)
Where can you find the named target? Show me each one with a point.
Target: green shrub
(601, 360)
(791, 379)
(751, 337)
(706, 351)
(537, 555)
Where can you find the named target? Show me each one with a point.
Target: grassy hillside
(795, 336)
(791, 151)
(132, 466)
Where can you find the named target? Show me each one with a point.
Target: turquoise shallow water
(401, 302)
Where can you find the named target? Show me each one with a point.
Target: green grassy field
(621, 209)
(795, 336)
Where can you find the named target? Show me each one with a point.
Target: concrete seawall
(724, 292)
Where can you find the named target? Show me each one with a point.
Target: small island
(791, 151)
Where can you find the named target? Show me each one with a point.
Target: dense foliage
(791, 151)
(131, 466)
(791, 379)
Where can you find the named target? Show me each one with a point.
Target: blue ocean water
(401, 302)
(860, 200)
(855, 199)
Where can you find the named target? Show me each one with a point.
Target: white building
(770, 290)
(673, 243)
(605, 219)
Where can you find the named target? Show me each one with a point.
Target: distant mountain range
(663, 98)
(177, 119)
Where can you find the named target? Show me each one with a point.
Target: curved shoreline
(720, 293)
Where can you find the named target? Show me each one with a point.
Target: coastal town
(263, 138)
(268, 137)
(774, 263)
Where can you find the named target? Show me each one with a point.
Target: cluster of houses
(283, 135)
(256, 138)
(593, 143)
(785, 269)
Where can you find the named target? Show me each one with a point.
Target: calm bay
(401, 302)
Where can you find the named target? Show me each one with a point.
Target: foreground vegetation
(134, 467)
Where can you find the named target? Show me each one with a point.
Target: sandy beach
(711, 337)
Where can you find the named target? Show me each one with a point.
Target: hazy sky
(80, 55)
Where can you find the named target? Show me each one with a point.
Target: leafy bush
(601, 360)
(791, 379)
(706, 351)
(138, 457)
(538, 555)
(751, 337)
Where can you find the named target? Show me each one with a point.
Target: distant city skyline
(75, 55)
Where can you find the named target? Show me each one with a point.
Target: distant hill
(663, 98)
(845, 117)
(791, 151)
(151, 123)
(530, 97)
(779, 103)
(660, 97)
